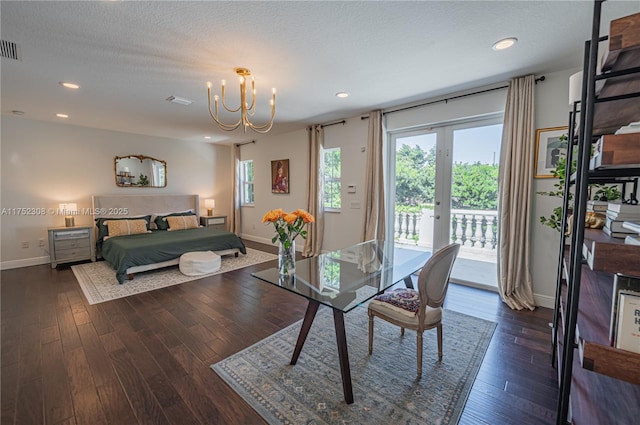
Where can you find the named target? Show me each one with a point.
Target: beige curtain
(515, 182)
(374, 213)
(235, 222)
(315, 204)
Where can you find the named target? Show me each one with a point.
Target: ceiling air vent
(180, 100)
(10, 50)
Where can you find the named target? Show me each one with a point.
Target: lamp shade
(210, 204)
(575, 88)
(69, 210)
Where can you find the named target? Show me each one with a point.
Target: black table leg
(345, 370)
(312, 309)
(408, 282)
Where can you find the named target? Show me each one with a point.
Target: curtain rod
(333, 123)
(245, 143)
(445, 100)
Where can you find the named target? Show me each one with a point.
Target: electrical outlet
(40, 242)
(25, 244)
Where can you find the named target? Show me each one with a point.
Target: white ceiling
(129, 56)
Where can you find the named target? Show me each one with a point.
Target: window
(246, 182)
(332, 183)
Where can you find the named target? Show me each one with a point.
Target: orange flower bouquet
(288, 227)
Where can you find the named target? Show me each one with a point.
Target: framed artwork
(550, 147)
(280, 176)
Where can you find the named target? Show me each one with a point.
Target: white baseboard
(25, 262)
(545, 301)
(541, 300)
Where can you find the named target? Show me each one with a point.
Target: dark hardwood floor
(145, 359)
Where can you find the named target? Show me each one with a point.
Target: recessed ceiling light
(207, 137)
(69, 85)
(342, 94)
(505, 43)
(62, 115)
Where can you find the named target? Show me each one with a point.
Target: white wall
(342, 228)
(45, 164)
(552, 110)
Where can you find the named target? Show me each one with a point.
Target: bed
(133, 253)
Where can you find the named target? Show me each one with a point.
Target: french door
(442, 188)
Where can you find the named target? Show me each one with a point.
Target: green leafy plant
(607, 193)
(143, 180)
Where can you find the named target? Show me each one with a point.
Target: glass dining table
(343, 280)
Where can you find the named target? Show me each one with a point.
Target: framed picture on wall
(280, 176)
(551, 145)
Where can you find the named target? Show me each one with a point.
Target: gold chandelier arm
(225, 127)
(265, 127)
(252, 109)
(225, 105)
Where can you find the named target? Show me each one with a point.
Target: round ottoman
(199, 263)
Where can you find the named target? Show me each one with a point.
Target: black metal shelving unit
(566, 314)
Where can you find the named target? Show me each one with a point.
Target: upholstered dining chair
(418, 310)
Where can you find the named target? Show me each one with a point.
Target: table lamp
(210, 204)
(69, 210)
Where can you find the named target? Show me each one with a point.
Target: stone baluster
(474, 225)
(454, 228)
(463, 227)
(494, 229)
(483, 230)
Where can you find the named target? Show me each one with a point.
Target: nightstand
(67, 244)
(217, 222)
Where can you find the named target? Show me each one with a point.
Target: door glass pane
(415, 176)
(474, 201)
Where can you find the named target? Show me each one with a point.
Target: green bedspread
(123, 252)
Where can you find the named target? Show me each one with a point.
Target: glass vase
(287, 259)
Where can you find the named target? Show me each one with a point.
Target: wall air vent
(180, 100)
(10, 50)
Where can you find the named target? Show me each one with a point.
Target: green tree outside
(475, 186)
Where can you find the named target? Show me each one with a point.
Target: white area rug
(99, 284)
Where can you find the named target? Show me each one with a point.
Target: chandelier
(246, 109)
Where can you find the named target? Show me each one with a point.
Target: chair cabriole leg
(440, 342)
(419, 348)
(370, 333)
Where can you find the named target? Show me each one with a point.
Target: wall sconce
(69, 210)
(210, 204)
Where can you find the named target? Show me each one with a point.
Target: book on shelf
(623, 216)
(634, 226)
(632, 240)
(616, 226)
(623, 208)
(628, 328)
(620, 283)
(619, 235)
(597, 206)
(633, 127)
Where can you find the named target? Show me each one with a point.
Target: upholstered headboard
(136, 205)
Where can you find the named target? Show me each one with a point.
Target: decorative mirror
(140, 171)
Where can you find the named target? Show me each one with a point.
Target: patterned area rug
(99, 284)
(385, 387)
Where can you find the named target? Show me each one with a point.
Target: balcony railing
(471, 228)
